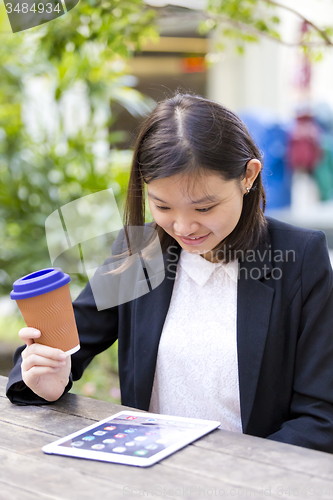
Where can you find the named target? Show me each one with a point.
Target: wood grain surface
(220, 465)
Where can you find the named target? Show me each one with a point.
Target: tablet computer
(132, 438)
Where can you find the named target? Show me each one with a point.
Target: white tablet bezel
(192, 435)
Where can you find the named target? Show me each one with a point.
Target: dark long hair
(189, 134)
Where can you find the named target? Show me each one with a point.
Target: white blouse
(197, 368)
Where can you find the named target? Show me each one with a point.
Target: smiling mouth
(193, 239)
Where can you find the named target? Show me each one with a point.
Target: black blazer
(284, 339)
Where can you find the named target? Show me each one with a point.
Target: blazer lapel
(254, 303)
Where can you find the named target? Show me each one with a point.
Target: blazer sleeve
(98, 330)
(311, 409)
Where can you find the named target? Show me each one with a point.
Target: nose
(184, 228)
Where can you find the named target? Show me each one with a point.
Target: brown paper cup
(52, 313)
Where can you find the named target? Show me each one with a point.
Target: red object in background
(303, 70)
(304, 76)
(304, 151)
(305, 73)
(194, 64)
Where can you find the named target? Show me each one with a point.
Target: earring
(248, 189)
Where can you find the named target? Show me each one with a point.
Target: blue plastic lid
(38, 283)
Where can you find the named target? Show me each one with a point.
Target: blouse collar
(200, 269)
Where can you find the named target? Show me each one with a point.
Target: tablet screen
(133, 438)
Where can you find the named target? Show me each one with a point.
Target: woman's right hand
(45, 370)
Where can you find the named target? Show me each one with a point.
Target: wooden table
(220, 465)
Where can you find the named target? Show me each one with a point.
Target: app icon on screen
(129, 431)
(109, 441)
(119, 449)
(140, 438)
(151, 447)
(77, 444)
(130, 443)
(99, 433)
(131, 418)
(110, 428)
(88, 438)
(140, 452)
(119, 435)
(98, 446)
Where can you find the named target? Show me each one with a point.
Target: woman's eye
(204, 210)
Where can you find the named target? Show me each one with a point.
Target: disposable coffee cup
(44, 300)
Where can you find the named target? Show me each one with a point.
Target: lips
(196, 241)
(194, 237)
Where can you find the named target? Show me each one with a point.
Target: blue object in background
(323, 174)
(271, 138)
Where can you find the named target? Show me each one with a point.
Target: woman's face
(180, 216)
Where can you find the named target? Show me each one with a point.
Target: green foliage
(100, 378)
(247, 20)
(45, 163)
(242, 20)
(10, 325)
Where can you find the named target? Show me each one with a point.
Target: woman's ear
(252, 170)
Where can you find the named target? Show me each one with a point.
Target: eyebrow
(202, 200)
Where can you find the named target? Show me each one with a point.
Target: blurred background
(74, 91)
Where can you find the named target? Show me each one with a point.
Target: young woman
(240, 328)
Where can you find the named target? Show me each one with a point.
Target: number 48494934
(36, 8)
